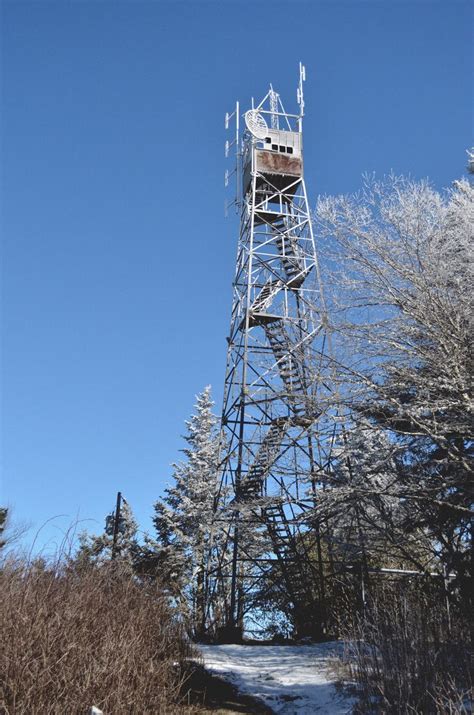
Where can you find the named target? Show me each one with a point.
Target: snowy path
(292, 680)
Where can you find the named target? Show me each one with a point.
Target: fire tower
(276, 433)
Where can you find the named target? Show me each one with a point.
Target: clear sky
(117, 259)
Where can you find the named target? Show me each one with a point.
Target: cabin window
(282, 148)
(275, 147)
(289, 149)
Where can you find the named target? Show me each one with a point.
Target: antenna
(227, 147)
(273, 96)
(470, 163)
(300, 95)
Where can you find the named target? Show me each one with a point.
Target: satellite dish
(256, 124)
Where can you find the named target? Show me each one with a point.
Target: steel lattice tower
(274, 420)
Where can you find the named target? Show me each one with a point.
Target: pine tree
(3, 523)
(183, 517)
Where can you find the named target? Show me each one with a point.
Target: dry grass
(70, 639)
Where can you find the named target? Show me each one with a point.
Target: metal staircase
(262, 301)
(288, 555)
(288, 366)
(287, 244)
(252, 485)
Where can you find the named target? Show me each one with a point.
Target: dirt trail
(215, 696)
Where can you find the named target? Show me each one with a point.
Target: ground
(212, 695)
(288, 680)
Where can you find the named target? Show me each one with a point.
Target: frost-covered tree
(401, 307)
(367, 520)
(184, 516)
(354, 501)
(3, 524)
(97, 549)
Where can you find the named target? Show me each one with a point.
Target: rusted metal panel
(274, 163)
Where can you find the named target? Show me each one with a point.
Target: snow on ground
(291, 680)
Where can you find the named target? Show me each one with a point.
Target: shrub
(72, 638)
(409, 652)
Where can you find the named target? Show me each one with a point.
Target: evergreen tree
(3, 524)
(183, 517)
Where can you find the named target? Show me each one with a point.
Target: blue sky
(117, 259)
